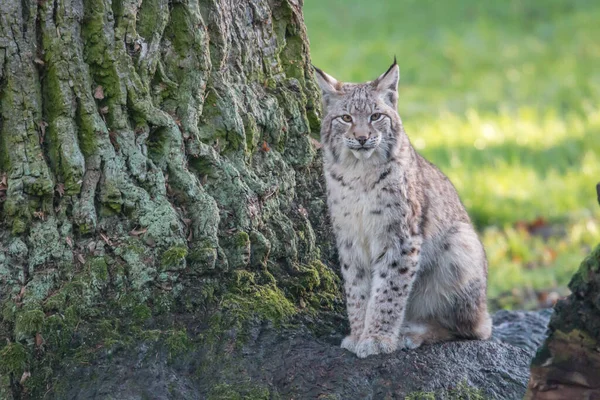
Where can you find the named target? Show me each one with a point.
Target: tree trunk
(157, 160)
(567, 365)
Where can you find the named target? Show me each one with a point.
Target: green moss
(72, 315)
(57, 333)
(204, 166)
(317, 284)
(582, 338)
(248, 300)
(463, 391)
(28, 323)
(290, 57)
(202, 258)
(151, 335)
(19, 226)
(110, 197)
(588, 268)
(9, 309)
(240, 391)
(177, 342)
(420, 396)
(173, 257)
(252, 133)
(13, 359)
(180, 30)
(107, 331)
(141, 313)
(149, 17)
(98, 273)
(84, 228)
(158, 146)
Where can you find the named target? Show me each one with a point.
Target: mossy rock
(13, 359)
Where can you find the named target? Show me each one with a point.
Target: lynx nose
(362, 140)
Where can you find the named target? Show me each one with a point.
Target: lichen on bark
(159, 167)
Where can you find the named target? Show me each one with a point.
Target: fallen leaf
(550, 254)
(39, 340)
(60, 189)
(69, 241)
(105, 238)
(91, 246)
(24, 377)
(265, 147)
(39, 61)
(531, 226)
(99, 92)
(302, 303)
(21, 294)
(104, 110)
(538, 223)
(138, 232)
(42, 125)
(81, 258)
(112, 136)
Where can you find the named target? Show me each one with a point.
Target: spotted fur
(414, 269)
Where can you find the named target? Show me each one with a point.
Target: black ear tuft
(318, 70)
(389, 69)
(328, 84)
(387, 84)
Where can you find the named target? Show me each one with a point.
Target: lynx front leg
(394, 272)
(356, 285)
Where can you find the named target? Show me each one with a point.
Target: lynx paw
(376, 345)
(349, 343)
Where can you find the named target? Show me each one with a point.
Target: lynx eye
(346, 118)
(376, 117)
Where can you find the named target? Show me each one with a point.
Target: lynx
(414, 269)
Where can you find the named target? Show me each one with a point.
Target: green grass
(504, 96)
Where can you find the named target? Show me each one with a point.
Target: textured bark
(567, 365)
(156, 160)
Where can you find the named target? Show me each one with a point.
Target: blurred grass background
(504, 97)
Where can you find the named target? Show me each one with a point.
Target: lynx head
(360, 119)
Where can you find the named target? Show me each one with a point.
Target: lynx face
(360, 119)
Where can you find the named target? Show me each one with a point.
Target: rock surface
(295, 364)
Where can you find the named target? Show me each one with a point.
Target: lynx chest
(362, 207)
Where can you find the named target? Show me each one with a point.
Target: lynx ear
(329, 85)
(387, 85)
